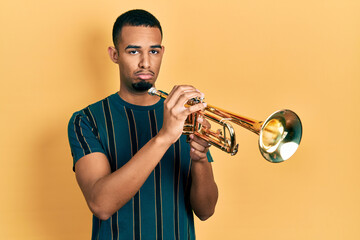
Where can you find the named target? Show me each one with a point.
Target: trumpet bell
(280, 136)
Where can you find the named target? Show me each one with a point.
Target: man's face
(140, 54)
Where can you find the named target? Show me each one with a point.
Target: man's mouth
(144, 75)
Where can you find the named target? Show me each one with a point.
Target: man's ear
(113, 53)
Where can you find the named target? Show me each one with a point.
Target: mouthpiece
(152, 91)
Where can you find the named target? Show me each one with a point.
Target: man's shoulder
(92, 108)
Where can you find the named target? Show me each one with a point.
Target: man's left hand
(198, 146)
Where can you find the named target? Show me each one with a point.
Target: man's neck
(138, 98)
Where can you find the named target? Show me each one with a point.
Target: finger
(181, 108)
(198, 147)
(199, 154)
(176, 92)
(185, 96)
(203, 121)
(195, 108)
(199, 141)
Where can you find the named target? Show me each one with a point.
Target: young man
(139, 176)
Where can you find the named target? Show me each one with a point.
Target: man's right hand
(175, 112)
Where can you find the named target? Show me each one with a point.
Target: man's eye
(154, 51)
(134, 52)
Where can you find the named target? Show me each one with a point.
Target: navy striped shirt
(161, 208)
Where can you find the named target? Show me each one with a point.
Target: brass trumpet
(279, 135)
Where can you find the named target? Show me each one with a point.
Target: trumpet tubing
(279, 135)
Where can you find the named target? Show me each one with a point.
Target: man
(139, 176)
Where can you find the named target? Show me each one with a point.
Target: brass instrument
(279, 135)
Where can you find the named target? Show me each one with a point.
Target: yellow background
(249, 56)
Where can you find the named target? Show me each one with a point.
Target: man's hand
(175, 112)
(198, 146)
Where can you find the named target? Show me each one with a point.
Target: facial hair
(142, 86)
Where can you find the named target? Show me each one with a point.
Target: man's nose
(144, 61)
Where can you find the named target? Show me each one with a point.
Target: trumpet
(279, 135)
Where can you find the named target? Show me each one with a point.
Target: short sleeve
(209, 157)
(82, 138)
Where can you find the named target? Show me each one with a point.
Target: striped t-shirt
(161, 209)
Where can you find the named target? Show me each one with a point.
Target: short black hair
(136, 17)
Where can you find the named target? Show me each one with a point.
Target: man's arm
(204, 191)
(107, 192)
